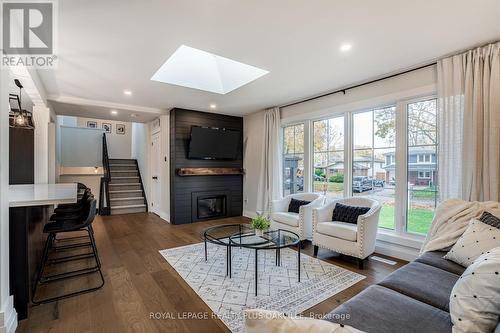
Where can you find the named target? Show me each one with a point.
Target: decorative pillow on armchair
(475, 298)
(349, 214)
(477, 239)
(294, 206)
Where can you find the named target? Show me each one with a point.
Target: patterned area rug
(278, 287)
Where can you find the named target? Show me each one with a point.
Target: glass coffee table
(241, 235)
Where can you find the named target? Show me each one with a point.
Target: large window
(373, 159)
(328, 159)
(386, 153)
(422, 169)
(293, 159)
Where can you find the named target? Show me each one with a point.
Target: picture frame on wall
(120, 129)
(91, 124)
(106, 127)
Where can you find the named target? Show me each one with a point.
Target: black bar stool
(84, 223)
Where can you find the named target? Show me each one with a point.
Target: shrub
(338, 178)
(319, 172)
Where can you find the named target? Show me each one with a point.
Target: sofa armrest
(280, 205)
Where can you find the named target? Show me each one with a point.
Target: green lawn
(427, 193)
(419, 220)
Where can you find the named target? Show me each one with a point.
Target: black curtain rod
(343, 90)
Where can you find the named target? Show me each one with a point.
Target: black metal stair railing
(104, 200)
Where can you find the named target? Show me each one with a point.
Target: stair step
(125, 193)
(124, 173)
(124, 180)
(121, 161)
(125, 187)
(128, 209)
(126, 201)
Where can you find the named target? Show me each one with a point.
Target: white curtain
(270, 186)
(469, 125)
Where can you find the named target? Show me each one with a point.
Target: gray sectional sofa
(414, 298)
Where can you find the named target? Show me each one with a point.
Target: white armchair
(300, 223)
(356, 240)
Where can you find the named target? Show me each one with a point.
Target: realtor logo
(28, 33)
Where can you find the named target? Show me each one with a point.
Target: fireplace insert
(211, 206)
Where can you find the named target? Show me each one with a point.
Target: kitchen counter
(41, 194)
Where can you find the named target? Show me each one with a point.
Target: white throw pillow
(478, 238)
(475, 298)
(265, 321)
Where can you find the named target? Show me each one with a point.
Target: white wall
(41, 118)
(141, 143)
(8, 316)
(119, 145)
(80, 147)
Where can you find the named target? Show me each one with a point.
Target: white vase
(259, 232)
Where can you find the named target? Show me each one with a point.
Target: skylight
(197, 69)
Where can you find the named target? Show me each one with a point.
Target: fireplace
(208, 205)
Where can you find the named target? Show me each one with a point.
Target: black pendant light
(19, 117)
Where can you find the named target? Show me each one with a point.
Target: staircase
(126, 194)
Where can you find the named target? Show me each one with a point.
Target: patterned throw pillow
(477, 239)
(294, 206)
(349, 214)
(475, 298)
(490, 219)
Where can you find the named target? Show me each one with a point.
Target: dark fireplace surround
(202, 190)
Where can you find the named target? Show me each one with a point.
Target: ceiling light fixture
(198, 69)
(114, 112)
(213, 106)
(127, 92)
(345, 47)
(133, 115)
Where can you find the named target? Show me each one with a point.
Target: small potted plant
(259, 224)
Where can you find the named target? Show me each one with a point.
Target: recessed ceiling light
(127, 92)
(197, 69)
(114, 112)
(213, 106)
(133, 115)
(345, 47)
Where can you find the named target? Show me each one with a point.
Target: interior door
(155, 173)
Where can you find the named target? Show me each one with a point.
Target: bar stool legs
(45, 279)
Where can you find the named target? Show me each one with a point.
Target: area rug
(278, 287)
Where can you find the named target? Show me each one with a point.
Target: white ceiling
(106, 46)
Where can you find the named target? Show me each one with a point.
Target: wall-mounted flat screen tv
(210, 143)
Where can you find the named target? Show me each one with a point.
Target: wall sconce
(96, 169)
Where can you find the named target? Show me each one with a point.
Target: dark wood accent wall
(182, 188)
(21, 156)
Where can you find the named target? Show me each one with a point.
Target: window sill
(408, 240)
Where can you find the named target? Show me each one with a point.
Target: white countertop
(41, 194)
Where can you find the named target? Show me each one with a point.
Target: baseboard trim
(249, 214)
(396, 251)
(164, 216)
(8, 317)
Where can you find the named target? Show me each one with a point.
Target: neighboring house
(422, 166)
(361, 167)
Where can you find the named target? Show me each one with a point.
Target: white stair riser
(126, 202)
(127, 194)
(118, 180)
(124, 187)
(116, 211)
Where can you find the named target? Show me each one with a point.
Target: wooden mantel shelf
(185, 172)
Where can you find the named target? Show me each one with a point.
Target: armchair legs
(316, 248)
(360, 263)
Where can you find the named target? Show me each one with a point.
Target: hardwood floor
(140, 282)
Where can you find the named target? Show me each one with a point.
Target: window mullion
(348, 153)
(401, 168)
